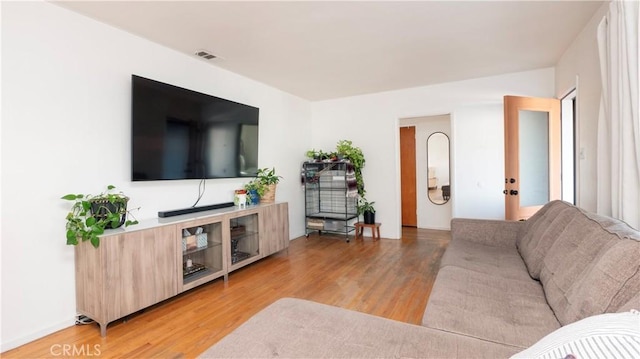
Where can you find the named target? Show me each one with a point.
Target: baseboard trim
(436, 228)
(14, 343)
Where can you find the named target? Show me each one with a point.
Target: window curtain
(618, 148)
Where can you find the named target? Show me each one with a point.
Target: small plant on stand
(367, 210)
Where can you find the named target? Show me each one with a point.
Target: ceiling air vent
(205, 54)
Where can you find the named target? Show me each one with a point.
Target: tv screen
(183, 134)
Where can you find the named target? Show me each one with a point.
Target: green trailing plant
(90, 215)
(346, 149)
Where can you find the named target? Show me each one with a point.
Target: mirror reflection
(439, 189)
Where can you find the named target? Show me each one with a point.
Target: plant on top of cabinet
(268, 176)
(255, 190)
(269, 179)
(90, 215)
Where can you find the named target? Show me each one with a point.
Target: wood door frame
(512, 106)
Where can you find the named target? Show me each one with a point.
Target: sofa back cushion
(538, 234)
(593, 266)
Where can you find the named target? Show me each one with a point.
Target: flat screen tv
(183, 134)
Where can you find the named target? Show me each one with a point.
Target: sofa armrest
(297, 328)
(486, 231)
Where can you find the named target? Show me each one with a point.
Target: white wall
(579, 68)
(429, 215)
(478, 171)
(66, 128)
(371, 122)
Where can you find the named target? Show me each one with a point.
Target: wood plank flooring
(387, 278)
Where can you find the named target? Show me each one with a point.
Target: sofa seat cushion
(593, 267)
(497, 261)
(492, 308)
(295, 328)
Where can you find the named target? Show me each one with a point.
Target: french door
(532, 154)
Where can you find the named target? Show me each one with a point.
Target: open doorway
(429, 212)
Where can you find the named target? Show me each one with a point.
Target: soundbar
(177, 212)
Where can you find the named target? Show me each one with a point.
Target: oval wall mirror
(439, 189)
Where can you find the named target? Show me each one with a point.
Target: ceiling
(321, 50)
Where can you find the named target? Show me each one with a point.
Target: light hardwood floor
(387, 278)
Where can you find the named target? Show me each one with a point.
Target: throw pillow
(610, 335)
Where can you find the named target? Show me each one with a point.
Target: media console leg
(103, 329)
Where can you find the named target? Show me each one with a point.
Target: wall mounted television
(183, 134)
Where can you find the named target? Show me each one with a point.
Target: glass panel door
(534, 157)
(244, 238)
(201, 251)
(532, 154)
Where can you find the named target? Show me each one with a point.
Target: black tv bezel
(178, 89)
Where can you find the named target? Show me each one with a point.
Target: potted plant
(347, 150)
(314, 155)
(367, 210)
(269, 179)
(255, 190)
(90, 215)
(240, 198)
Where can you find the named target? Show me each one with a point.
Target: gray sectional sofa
(501, 287)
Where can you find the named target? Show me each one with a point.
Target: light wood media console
(157, 259)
